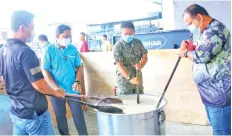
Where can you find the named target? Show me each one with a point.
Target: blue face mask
(196, 33)
(128, 38)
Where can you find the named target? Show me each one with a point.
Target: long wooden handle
(169, 80)
(75, 95)
(81, 102)
(137, 87)
(82, 96)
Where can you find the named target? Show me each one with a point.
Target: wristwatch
(186, 54)
(78, 82)
(129, 77)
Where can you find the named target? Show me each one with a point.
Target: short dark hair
(105, 36)
(21, 17)
(43, 37)
(82, 33)
(61, 28)
(195, 9)
(127, 24)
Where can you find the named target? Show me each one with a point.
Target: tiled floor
(171, 127)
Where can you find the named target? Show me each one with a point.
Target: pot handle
(162, 117)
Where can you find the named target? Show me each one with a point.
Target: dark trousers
(77, 114)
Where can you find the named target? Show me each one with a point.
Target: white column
(167, 21)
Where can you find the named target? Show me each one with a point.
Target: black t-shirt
(19, 67)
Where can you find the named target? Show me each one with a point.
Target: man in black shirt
(24, 81)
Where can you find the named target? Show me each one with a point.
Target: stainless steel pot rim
(164, 101)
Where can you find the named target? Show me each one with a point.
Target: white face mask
(64, 42)
(30, 39)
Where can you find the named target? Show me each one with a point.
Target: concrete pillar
(168, 22)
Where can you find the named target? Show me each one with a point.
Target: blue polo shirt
(19, 67)
(62, 64)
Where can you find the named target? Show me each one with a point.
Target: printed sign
(161, 40)
(154, 42)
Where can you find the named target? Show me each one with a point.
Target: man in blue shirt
(61, 66)
(24, 80)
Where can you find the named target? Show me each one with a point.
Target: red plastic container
(115, 90)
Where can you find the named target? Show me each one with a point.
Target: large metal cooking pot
(146, 123)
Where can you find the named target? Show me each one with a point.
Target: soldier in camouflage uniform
(129, 55)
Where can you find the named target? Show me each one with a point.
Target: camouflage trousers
(124, 87)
